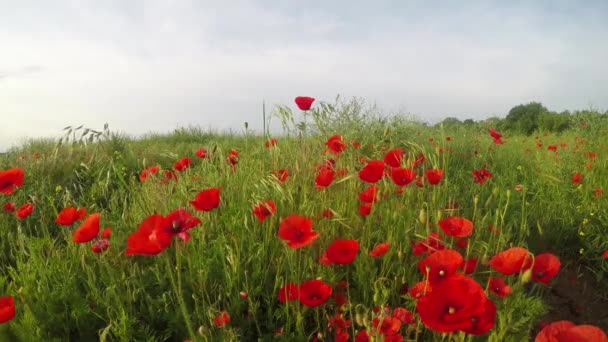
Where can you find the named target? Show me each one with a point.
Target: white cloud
(155, 65)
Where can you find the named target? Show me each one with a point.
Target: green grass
(64, 292)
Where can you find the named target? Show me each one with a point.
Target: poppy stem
(350, 307)
(178, 292)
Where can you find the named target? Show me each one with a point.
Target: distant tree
(451, 122)
(525, 118)
(553, 122)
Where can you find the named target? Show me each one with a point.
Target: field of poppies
(346, 227)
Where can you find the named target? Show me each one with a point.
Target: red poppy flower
(314, 292)
(492, 229)
(178, 223)
(369, 195)
(605, 254)
(100, 246)
(297, 231)
(264, 209)
(362, 336)
(207, 199)
(511, 261)
(289, 292)
(402, 176)
(454, 304)
(304, 102)
(577, 178)
(281, 174)
(182, 164)
(462, 243)
(342, 251)
(8, 207)
(201, 153)
(338, 322)
(325, 176)
(552, 148)
(233, 157)
(356, 145)
(469, 266)
(327, 213)
(10, 179)
(404, 315)
(480, 176)
(387, 326)
(7, 309)
(340, 299)
(440, 265)
(420, 158)
(456, 226)
(69, 215)
(380, 249)
(434, 176)
(498, 287)
(25, 210)
(582, 333)
(335, 144)
(546, 266)
(324, 260)
(372, 172)
(496, 136)
(393, 157)
(147, 240)
(106, 233)
(169, 175)
(430, 245)
(222, 319)
(88, 230)
(420, 289)
(270, 142)
(550, 331)
(483, 321)
(365, 209)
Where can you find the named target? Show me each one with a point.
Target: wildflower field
(346, 227)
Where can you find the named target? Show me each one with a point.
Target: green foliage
(65, 292)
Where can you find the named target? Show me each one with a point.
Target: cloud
(155, 65)
(20, 72)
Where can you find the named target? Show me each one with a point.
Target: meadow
(346, 227)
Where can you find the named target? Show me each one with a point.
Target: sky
(155, 65)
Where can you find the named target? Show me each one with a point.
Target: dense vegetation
(542, 189)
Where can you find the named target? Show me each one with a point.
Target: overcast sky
(158, 64)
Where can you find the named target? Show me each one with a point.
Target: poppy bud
(526, 276)
(476, 199)
(508, 194)
(439, 214)
(359, 319)
(422, 216)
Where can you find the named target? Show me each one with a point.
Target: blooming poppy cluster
(480, 176)
(311, 293)
(155, 232)
(447, 298)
